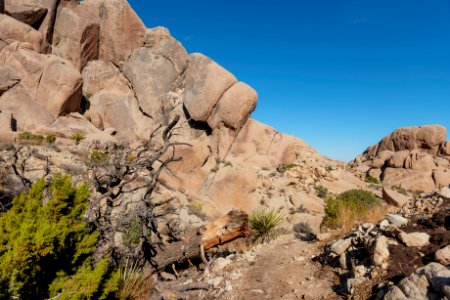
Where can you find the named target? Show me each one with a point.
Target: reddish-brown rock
(12, 30)
(121, 30)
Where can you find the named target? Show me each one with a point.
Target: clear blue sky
(340, 74)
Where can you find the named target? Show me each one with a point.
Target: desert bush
(321, 191)
(46, 248)
(285, 167)
(351, 207)
(371, 179)
(132, 232)
(28, 136)
(77, 136)
(98, 157)
(263, 222)
(50, 139)
(135, 281)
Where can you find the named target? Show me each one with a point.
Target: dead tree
(122, 175)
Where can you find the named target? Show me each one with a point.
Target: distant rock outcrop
(412, 158)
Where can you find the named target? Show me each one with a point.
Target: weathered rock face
(76, 36)
(59, 73)
(206, 82)
(413, 158)
(12, 30)
(28, 12)
(121, 30)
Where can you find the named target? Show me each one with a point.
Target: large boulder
(421, 161)
(12, 30)
(26, 63)
(76, 35)
(161, 42)
(121, 30)
(394, 198)
(442, 178)
(428, 137)
(412, 180)
(67, 97)
(27, 113)
(206, 82)
(25, 11)
(152, 77)
(8, 79)
(234, 107)
(111, 101)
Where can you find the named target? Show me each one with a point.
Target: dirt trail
(282, 269)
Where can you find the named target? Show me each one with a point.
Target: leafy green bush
(285, 167)
(77, 136)
(321, 191)
(350, 207)
(28, 136)
(263, 223)
(371, 179)
(50, 139)
(46, 248)
(98, 157)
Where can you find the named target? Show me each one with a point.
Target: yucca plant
(77, 137)
(136, 282)
(264, 222)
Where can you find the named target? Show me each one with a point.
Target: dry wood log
(233, 225)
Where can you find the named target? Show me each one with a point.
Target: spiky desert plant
(136, 282)
(264, 222)
(77, 136)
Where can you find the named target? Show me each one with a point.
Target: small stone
(257, 291)
(415, 239)
(219, 264)
(397, 220)
(167, 276)
(380, 251)
(299, 258)
(341, 246)
(228, 286)
(215, 282)
(443, 255)
(384, 225)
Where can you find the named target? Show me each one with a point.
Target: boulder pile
(373, 255)
(413, 158)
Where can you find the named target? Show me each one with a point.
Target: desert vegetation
(264, 223)
(352, 207)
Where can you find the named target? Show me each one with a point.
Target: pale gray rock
(341, 246)
(152, 77)
(414, 239)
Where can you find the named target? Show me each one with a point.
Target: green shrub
(285, 167)
(28, 136)
(350, 207)
(98, 157)
(264, 222)
(77, 136)
(321, 191)
(371, 179)
(45, 246)
(132, 232)
(50, 139)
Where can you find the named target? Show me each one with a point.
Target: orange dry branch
(233, 225)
